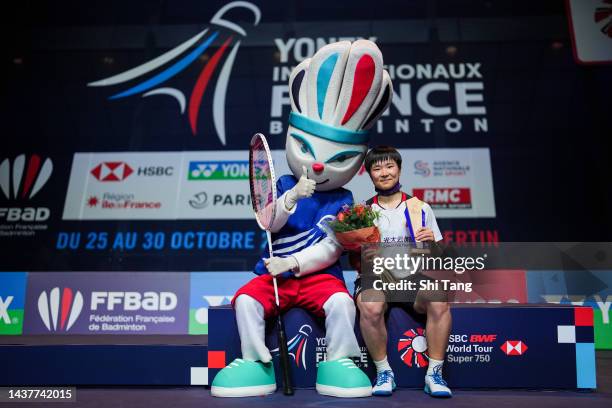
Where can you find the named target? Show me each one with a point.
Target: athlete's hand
(304, 188)
(424, 235)
(277, 265)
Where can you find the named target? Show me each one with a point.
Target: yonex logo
(112, 171)
(60, 312)
(200, 170)
(514, 348)
(218, 170)
(27, 177)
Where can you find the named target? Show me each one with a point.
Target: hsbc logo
(59, 310)
(445, 197)
(514, 348)
(112, 171)
(119, 171)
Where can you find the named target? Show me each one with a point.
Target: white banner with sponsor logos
(457, 183)
(215, 184)
(160, 185)
(118, 186)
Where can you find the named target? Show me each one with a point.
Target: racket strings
(262, 179)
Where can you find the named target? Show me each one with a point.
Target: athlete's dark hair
(380, 154)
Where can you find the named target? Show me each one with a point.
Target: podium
(491, 346)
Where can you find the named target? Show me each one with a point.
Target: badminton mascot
(336, 96)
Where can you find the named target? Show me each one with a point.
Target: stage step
(104, 364)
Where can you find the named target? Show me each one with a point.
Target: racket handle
(284, 358)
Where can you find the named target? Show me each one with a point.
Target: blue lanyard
(409, 224)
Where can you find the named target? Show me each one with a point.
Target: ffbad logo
(131, 301)
(58, 311)
(28, 179)
(514, 348)
(22, 181)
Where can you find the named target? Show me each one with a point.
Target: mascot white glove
(303, 189)
(277, 265)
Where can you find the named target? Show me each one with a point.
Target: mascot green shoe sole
(243, 378)
(342, 378)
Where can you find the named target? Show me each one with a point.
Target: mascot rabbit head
(336, 96)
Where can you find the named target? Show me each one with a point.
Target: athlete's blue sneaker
(436, 386)
(385, 384)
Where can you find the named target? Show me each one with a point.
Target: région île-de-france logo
(297, 346)
(180, 58)
(27, 179)
(514, 348)
(413, 348)
(59, 313)
(605, 14)
(112, 171)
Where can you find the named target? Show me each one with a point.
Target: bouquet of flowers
(353, 227)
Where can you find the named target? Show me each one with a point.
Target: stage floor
(199, 397)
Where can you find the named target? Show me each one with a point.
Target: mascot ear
(297, 87)
(340, 92)
(325, 78)
(383, 100)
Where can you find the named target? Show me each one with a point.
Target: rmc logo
(179, 58)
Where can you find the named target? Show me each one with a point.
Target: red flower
(359, 210)
(341, 217)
